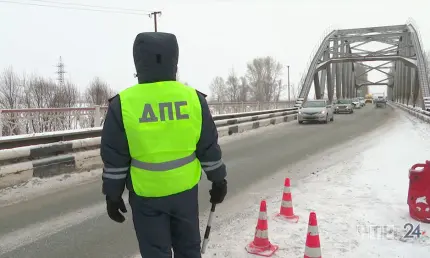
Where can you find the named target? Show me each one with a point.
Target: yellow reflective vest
(162, 122)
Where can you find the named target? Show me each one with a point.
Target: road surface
(72, 222)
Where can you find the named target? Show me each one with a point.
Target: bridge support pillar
(397, 82)
(416, 89)
(323, 79)
(317, 86)
(343, 65)
(337, 70)
(350, 68)
(330, 87)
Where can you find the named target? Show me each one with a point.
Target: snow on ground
(38, 186)
(361, 185)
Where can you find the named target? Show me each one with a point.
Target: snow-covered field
(354, 189)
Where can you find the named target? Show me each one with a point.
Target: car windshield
(344, 101)
(356, 100)
(314, 104)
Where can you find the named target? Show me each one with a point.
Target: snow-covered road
(358, 192)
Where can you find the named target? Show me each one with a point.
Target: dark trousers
(167, 223)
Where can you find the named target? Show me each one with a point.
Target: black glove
(113, 208)
(218, 192)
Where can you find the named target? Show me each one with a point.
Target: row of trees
(261, 82)
(22, 91)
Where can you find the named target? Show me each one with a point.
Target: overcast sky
(214, 36)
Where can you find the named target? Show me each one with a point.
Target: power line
(92, 6)
(75, 8)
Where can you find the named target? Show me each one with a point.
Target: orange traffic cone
(261, 245)
(312, 248)
(286, 212)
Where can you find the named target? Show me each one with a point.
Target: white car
(315, 110)
(356, 103)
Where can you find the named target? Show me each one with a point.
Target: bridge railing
(48, 154)
(423, 69)
(40, 120)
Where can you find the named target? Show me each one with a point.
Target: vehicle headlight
(323, 112)
(300, 112)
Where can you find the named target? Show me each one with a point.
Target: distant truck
(368, 98)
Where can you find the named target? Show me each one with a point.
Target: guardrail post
(97, 116)
(1, 124)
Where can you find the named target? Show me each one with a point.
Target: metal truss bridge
(333, 69)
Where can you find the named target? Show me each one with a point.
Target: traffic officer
(157, 137)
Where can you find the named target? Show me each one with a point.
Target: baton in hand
(208, 229)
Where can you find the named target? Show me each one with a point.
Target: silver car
(315, 110)
(344, 106)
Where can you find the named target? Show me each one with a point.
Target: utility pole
(155, 18)
(288, 71)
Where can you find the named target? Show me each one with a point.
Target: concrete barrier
(18, 165)
(15, 141)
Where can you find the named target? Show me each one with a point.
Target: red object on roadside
(286, 212)
(261, 245)
(419, 192)
(312, 246)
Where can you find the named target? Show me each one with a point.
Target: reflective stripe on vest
(164, 166)
(162, 122)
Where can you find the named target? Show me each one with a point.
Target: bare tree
(218, 89)
(294, 91)
(232, 87)
(263, 76)
(279, 87)
(10, 89)
(243, 89)
(98, 92)
(68, 94)
(41, 93)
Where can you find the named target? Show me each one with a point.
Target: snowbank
(43, 186)
(362, 185)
